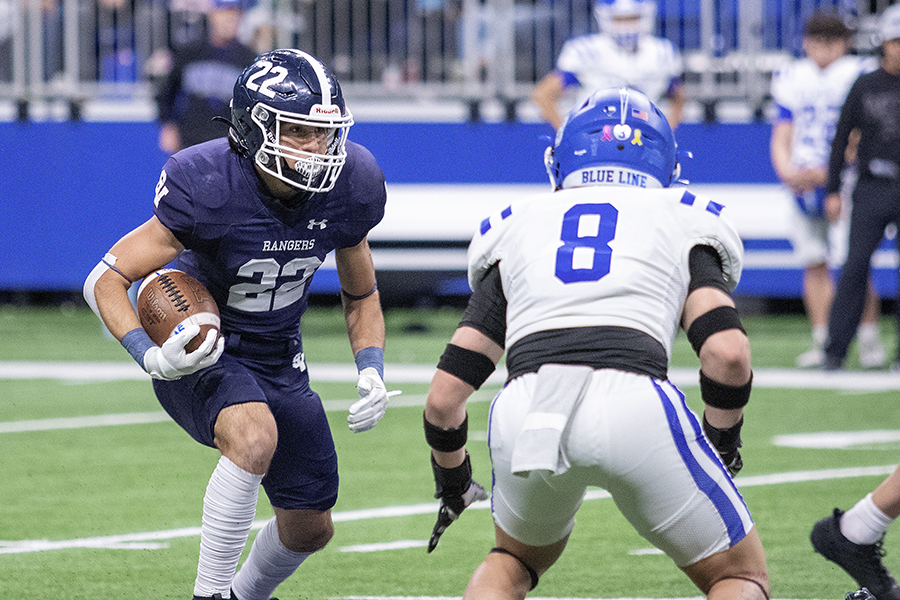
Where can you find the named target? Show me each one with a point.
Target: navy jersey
(255, 256)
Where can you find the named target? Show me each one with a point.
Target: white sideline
(151, 539)
(395, 374)
(405, 373)
(529, 598)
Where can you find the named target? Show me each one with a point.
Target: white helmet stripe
(319, 68)
(623, 104)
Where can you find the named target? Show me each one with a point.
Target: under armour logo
(320, 224)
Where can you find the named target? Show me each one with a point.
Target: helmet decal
(617, 137)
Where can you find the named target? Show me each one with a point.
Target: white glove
(372, 403)
(171, 361)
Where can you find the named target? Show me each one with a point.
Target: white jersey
(601, 255)
(597, 62)
(811, 98)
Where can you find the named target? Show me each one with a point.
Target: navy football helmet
(290, 87)
(626, 20)
(618, 128)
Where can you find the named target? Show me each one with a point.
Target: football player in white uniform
(585, 288)
(808, 95)
(624, 54)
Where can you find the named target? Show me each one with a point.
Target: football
(168, 298)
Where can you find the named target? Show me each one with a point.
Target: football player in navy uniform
(584, 288)
(252, 217)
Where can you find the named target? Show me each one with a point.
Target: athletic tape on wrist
(446, 440)
(724, 440)
(451, 482)
(472, 367)
(372, 356)
(137, 342)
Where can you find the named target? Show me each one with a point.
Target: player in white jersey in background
(808, 95)
(624, 53)
(585, 289)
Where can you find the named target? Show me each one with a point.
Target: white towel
(558, 392)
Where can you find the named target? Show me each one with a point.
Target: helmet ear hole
(620, 147)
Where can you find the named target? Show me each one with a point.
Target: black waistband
(243, 344)
(605, 347)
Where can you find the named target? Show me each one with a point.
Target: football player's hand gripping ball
(372, 403)
(171, 361)
(457, 491)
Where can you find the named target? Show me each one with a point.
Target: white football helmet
(626, 20)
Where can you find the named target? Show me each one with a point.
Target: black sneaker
(862, 562)
(860, 594)
(832, 364)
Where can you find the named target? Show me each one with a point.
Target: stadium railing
(469, 51)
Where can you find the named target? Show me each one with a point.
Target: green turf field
(90, 511)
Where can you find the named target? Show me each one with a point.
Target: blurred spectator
(8, 18)
(808, 95)
(258, 29)
(200, 83)
(873, 108)
(270, 20)
(624, 54)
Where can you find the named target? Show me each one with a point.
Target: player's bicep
(148, 247)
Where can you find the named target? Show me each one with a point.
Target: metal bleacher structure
(475, 52)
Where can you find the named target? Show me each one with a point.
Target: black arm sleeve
(705, 267)
(486, 310)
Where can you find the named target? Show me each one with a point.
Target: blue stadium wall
(69, 190)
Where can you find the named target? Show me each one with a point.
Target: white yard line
(529, 598)
(405, 373)
(153, 539)
(395, 374)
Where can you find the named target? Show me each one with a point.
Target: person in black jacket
(873, 109)
(199, 85)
